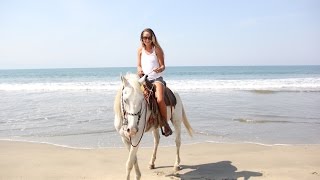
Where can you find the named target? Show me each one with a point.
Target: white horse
(131, 115)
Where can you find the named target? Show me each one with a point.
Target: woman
(151, 62)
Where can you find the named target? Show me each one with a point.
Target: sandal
(167, 130)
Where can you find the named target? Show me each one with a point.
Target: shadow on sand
(222, 170)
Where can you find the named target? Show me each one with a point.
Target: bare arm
(139, 67)
(160, 56)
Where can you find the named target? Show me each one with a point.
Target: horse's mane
(133, 81)
(117, 104)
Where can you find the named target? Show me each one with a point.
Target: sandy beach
(25, 160)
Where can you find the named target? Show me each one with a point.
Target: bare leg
(155, 147)
(162, 107)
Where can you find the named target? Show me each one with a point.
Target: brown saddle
(156, 119)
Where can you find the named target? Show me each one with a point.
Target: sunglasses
(147, 37)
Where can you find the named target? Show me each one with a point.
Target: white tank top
(150, 62)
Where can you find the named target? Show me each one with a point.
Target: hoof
(177, 168)
(151, 166)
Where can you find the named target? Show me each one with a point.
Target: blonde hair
(153, 38)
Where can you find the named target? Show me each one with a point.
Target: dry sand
(24, 161)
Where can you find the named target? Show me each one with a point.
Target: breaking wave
(262, 86)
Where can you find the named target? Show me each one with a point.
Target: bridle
(125, 113)
(125, 119)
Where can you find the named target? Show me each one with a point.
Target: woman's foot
(167, 130)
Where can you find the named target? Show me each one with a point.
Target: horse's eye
(125, 100)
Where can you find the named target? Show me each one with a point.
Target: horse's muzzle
(132, 131)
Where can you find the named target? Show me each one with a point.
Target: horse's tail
(186, 122)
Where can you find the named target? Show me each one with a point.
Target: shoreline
(27, 160)
(151, 146)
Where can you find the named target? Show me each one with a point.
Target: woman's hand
(159, 69)
(140, 72)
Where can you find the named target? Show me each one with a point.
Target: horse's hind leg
(177, 127)
(156, 139)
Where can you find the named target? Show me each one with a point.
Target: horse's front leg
(132, 160)
(156, 140)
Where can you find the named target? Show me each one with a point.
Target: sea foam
(257, 85)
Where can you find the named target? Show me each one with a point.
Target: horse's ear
(124, 81)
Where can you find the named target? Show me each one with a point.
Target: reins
(143, 128)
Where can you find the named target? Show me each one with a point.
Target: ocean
(224, 104)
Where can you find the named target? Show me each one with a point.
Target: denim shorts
(159, 79)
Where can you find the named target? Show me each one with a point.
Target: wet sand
(24, 161)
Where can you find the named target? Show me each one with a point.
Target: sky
(99, 33)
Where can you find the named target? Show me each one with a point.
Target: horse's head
(132, 99)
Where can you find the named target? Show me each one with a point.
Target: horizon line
(166, 66)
